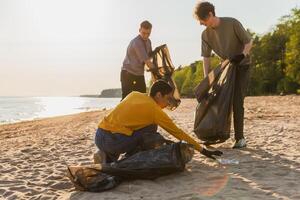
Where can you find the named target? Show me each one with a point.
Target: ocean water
(15, 109)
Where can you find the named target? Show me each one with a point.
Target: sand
(34, 155)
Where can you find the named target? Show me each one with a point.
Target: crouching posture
(132, 125)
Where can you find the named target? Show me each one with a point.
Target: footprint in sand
(5, 170)
(281, 173)
(6, 194)
(19, 188)
(2, 191)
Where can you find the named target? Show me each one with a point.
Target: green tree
(293, 48)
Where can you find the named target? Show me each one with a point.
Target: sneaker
(99, 157)
(241, 143)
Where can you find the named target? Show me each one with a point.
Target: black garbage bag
(215, 98)
(149, 164)
(153, 163)
(163, 70)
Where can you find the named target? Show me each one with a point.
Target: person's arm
(206, 65)
(205, 53)
(140, 51)
(245, 38)
(164, 121)
(247, 48)
(149, 64)
(238, 58)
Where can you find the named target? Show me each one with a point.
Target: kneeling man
(132, 125)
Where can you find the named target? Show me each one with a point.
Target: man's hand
(237, 59)
(211, 154)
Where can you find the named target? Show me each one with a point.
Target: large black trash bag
(163, 70)
(150, 164)
(153, 163)
(214, 111)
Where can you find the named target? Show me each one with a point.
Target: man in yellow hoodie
(132, 125)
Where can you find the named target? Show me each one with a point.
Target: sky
(75, 47)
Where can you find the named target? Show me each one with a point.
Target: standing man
(137, 55)
(229, 40)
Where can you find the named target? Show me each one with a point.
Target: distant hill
(107, 93)
(111, 93)
(90, 95)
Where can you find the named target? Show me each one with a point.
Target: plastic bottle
(225, 161)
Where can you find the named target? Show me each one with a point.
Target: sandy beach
(34, 155)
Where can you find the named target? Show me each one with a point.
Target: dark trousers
(241, 84)
(131, 82)
(114, 144)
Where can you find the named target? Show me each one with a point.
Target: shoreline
(54, 116)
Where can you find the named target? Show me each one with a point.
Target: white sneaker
(241, 143)
(99, 157)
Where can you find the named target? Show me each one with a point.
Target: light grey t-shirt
(226, 40)
(138, 52)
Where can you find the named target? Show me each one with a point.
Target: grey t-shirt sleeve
(241, 33)
(140, 50)
(205, 48)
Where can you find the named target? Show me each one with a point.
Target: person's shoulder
(139, 95)
(135, 40)
(142, 98)
(207, 33)
(229, 20)
(204, 33)
(135, 94)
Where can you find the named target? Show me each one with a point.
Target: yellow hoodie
(137, 111)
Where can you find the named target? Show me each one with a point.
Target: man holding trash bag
(229, 40)
(137, 56)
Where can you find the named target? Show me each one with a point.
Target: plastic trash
(163, 69)
(225, 161)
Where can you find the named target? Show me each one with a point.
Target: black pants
(241, 84)
(131, 82)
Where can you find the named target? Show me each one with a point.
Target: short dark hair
(160, 86)
(202, 10)
(146, 25)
